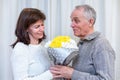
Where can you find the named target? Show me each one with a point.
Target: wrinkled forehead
(77, 13)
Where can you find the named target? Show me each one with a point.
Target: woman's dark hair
(27, 17)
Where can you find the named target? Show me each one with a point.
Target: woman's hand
(59, 71)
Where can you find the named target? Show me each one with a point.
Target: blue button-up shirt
(95, 60)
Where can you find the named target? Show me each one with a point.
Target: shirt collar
(91, 36)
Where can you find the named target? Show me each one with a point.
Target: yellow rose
(57, 41)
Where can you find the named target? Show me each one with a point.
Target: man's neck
(90, 32)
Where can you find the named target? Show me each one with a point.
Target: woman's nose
(42, 28)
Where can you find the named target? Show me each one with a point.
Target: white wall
(57, 23)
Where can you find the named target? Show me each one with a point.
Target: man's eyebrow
(75, 18)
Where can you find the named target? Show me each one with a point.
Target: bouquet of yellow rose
(62, 50)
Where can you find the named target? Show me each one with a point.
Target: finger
(58, 66)
(57, 76)
(55, 68)
(55, 72)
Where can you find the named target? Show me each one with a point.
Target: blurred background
(57, 23)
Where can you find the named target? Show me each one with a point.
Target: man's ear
(91, 21)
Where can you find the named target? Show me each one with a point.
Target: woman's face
(36, 31)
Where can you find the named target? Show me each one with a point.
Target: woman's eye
(37, 26)
(42, 24)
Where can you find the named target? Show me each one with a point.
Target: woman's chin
(40, 36)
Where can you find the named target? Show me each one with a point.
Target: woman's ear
(27, 30)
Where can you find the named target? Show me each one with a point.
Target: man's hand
(59, 71)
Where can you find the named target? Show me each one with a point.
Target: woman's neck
(34, 42)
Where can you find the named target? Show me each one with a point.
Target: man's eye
(77, 21)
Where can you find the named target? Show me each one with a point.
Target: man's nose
(72, 25)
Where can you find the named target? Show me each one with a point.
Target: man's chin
(80, 36)
(76, 35)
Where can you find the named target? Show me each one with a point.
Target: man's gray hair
(88, 12)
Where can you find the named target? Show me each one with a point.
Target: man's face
(80, 24)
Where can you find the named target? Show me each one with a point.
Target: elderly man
(96, 56)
